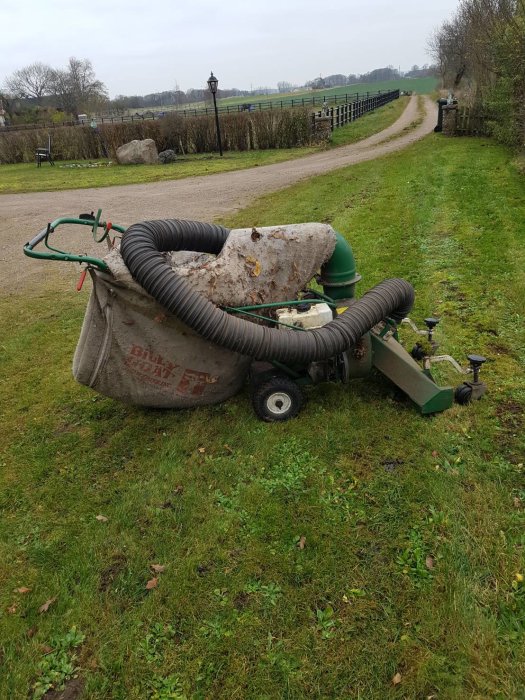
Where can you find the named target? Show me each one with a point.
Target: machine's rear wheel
(277, 399)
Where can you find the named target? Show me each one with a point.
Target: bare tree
(483, 45)
(77, 88)
(33, 81)
(284, 86)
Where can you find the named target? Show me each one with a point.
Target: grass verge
(26, 177)
(360, 551)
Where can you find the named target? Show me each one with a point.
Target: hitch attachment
(474, 390)
(424, 352)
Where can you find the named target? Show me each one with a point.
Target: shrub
(242, 131)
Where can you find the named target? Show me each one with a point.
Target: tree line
(481, 51)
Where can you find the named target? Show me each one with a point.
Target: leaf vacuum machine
(184, 313)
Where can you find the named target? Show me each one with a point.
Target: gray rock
(168, 156)
(136, 152)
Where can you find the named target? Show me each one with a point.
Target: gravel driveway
(201, 198)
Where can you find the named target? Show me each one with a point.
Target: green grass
(371, 123)
(222, 500)
(26, 177)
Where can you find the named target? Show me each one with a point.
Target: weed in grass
(412, 560)
(353, 593)
(437, 519)
(341, 499)
(289, 469)
(153, 645)
(269, 592)
(166, 688)
(511, 613)
(215, 628)
(325, 622)
(277, 657)
(59, 665)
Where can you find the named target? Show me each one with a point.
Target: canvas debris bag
(132, 349)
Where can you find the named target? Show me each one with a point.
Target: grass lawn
(26, 177)
(359, 551)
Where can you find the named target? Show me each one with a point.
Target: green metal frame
(56, 254)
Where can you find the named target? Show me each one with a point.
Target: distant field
(419, 85)
(422, 86)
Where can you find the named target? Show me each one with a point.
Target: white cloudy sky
(138, 47)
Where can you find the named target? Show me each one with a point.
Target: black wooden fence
(350, 111)
(346, 107)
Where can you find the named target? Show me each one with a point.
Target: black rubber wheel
(463, 394)
(277, 399)
(417, 352)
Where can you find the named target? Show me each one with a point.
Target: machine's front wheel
(463, 394)
(277, 399)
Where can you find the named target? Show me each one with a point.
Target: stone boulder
(136, 152)
(168, 156)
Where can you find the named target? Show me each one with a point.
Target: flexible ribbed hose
(141, 248)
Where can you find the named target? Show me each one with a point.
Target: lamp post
(212, 84)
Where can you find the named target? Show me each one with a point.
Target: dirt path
(202, 198)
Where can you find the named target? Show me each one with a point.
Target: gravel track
(202, 198)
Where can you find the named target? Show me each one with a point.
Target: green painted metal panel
(394, 362)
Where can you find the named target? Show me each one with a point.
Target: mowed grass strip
(322, 558)
(26, 177)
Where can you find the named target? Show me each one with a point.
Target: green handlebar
(54, 254)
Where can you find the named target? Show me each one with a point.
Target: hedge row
(240, 132)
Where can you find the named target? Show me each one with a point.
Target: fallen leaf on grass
(302, 542)
(396, 680)
(22, 589)
(430, 562)
(101, 518)
(202, 450)
(45, 607)
(435, 453)
(152, 583)
(12, 609)
(46, 649)
(157, 568)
